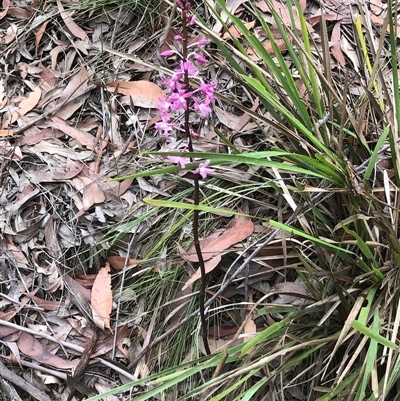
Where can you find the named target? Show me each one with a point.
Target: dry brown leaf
(348, 49)
(28, 345)
(82, 47)
(10, 34)
(233, 31)
(5, 133)
(54, 54)
(42, 135)
(101, 300)
(21, 13)
(225, 330)
(80, 325)
(44, 147)
(92, 193)
(250, 328)
(119, 262)
(379, 21)
(144, 93)
(16, 254)
(218, 345)
(86, 280)
(209, 265)
(6, 5)
(230, 120)
(282, 11)
(77, 288)
(107, 343)
(232, 6)
(70, 170)
(26, 104)
(39, 35)
(190, 255)
(120, 187)
(290, 292)
(70, 24)
(46, 305)
(82, 137)
(179, 306)
(23, 68)
(47, 75)
(335, 39)
(75, 85)
(238, 230)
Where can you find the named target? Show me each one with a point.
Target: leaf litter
(58, 145)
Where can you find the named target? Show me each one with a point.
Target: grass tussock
(324, 186)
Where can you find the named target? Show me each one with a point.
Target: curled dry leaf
(70, 24)
(10, 35)
(46, 305)
(209, 266)
(336, 49)
(119, 262)
(39, 35)
(17, 254)
(91, 193)
(232, 6)
(45, 147)
(82, 137)
(238, 230)
(6, 5)
(28, 345)
(101, 300)
(144, 93)
(291, 292)
(250, 328)
(26, 104)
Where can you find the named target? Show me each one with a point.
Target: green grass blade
(373, 335)
(190, 206)
(265, 334)
(302, 234)
(371, 360)
(375, 154)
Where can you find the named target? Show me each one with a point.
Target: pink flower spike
(207, 90)
(179, 160)
(202, 107)
(163, 104)
(200, 59)
(178, 99)
(166, 53)
(203, 170)
(192, 19)
(187, 66)
(164, 127)
(178, 38)
(203, 42)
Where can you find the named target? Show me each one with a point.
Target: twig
(22, 383)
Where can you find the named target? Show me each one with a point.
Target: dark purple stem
(196, 196)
